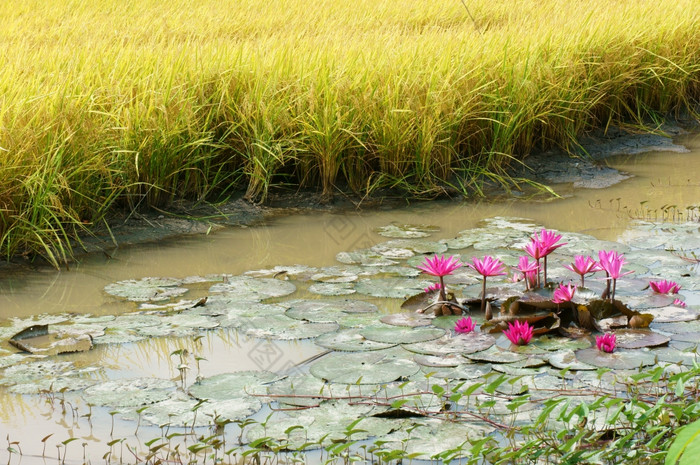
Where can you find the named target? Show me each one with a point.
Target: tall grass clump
(109, 104)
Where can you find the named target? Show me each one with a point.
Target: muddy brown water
(660, 179)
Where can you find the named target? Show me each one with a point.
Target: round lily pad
(320, 427)
(646, 301)
(146, 289)
(496, 355)
(332, 289)
(448, 322)
(33, 371)
(349, 340)
(297, 272)
(554, 343)
(567, 359)
(620, 359)
(638, 338)
(362, 368)
(284, 328)
(407, 231)
(364, 257)
(181, 410)
(248, 288)
(327, 311)
(430, 437)
(406, 248)
(300, 390)
(129, 392)
(394, 288)
(459, 344)
(399, 334)
(410, 319)
(463, 371)
(672, 314)
(439, 361)
(228, 386)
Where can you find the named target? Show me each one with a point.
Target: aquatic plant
(582, 266)
(440, 266)
(665, 287)
(489, 266)
(519, 333)
(433, 287)
(612, 262)
(540, 247)
(465, 325)
(679, 303)
(529, 270)
(606, 342)
(563, 293)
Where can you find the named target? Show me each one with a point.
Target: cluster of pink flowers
(540, 246)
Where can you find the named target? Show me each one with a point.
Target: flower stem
(483, 295)
(443, 297)
(612, 296)
(545, 271)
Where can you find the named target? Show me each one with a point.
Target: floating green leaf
(349, 340)
(129, 392)
(399, 334)
(459, 344)
(146, 289)
(248, 288)
(362, 368)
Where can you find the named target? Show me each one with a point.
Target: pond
(198, 352)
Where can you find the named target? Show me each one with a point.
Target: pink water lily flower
(679, 303)
(440, 267)
(529, 270)
(665, 287)
(489, 266)
(606, 342)
(611, 262)
(541, 246)
(433, 287)
(564, 293)
(582, 266)
(519, 333)
(465, 325)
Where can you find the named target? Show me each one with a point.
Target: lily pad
(349, 340)
(496, 355)
(284, 328)
(460, 344)
(620, 359)
(567, 359)
(301, 390)
(332, 289)
(320, 427)
(431, 437)
(406, 248)
(463, 371)
(410, 319)
(672, 314)
(407, 231)
(362, 368)
(400, 335)
(554, 343)
(38, 370)
(248, 288)
(365, 257)
(228, 386)
(638, 338)
(439, 361)
(297, 272)
(640, 302)
(393, 288)
(180, 410)
(327, 311)
(129, 392)
(146, 289)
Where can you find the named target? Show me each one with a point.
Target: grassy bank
(107, 103)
